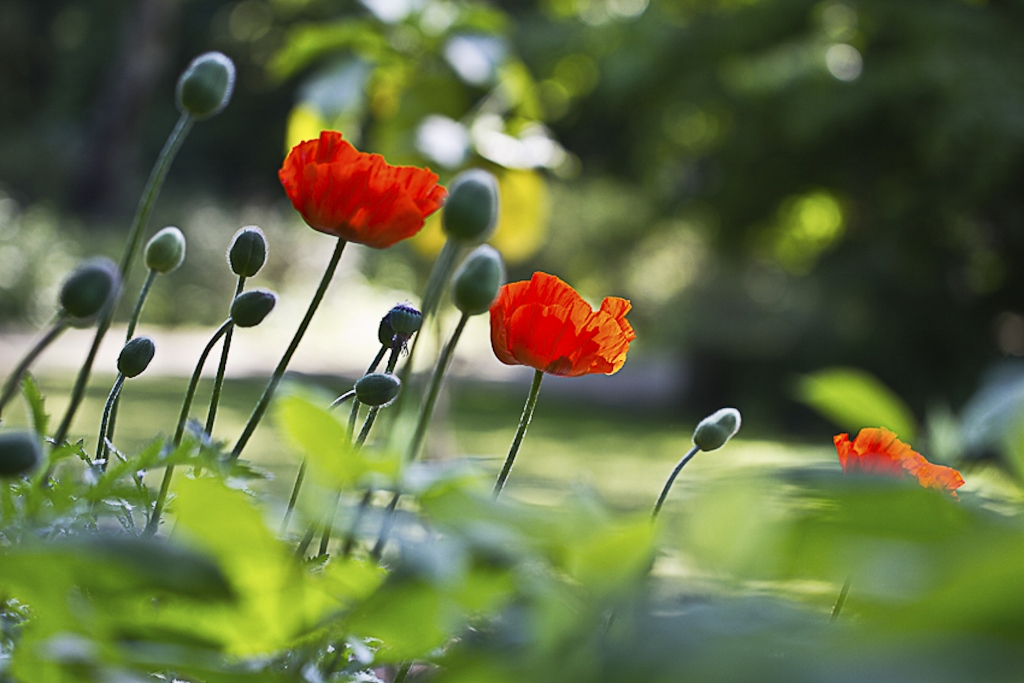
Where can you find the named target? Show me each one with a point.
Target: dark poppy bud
(248, 251)
(471, 211)
(377, 388)
(477, 281)
(250, 308)
(135, 356)
(205, 87)
(19, 453)
(716, 429)
(89, 289)
(402, 321)
(166, 250)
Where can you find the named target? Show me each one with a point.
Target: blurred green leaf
(36, 404)
(304, 44)
(855, 399)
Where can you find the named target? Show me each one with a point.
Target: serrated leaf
(36, 404)
(854, 399)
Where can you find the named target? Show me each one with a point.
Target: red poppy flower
(879, 451)
(546, 325)
(356, 196)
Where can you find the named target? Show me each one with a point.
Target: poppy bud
(90, 289)
(205, 87)
(471, 210)
(477, 281)
(377, 388)
(248, 251)
(135, 356)
(19, 453)
(166, 250)
(402, 321)
(716, 429)
(250, 308)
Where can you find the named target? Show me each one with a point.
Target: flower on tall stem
(544, 324)
(356, 197)
(879, 451)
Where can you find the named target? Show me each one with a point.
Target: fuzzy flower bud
(377, 388)
(402, 321)
(19, 453)
(248, 251)
(89, 289)
(478, 279)
(716, 429)
(250, 308)
(206, 85)
(471, 211)
(166, 250)
(135, 356)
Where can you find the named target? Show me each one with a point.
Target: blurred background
(779, 186)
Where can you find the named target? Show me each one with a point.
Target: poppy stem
(179, 432)
(841, 600)
(146, 202)
(108, 408)
(426, 411)
(60, 323)
(524, 423)
(672, 480)
(275, 379)
(360, 440)
(132, 323)
(222, 366)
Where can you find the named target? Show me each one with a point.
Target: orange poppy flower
(546, 325)
(879, 451)
(356, 196)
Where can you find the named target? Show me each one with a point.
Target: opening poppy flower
(356, 196)
(879, 451)
(546, 325)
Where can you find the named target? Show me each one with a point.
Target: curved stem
(275, 379)
(426, 412)
(179, 431)
(146, 202)
(59, 324)
(524, 423)
(132, 323)
(218, 382)
(351, 393)
(672, 479)
(101, 442)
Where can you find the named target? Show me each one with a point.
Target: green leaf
(855, 399)
(35, 400)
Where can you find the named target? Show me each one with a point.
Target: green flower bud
(166, 250)
(471, 211)
(135, 356)
(19, 453)
(90, 289)
(377, 388)
(250, 308)
(402, 321)
(248, 251)
(716, 429)
(477, 281)
(205, 87)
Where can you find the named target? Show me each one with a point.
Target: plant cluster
(383, 567)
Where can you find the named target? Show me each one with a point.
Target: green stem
(59, 324)
(524, 423)
(218, 382)
(275, 379)
(671, 480)
(350, 538)
(132, 323)
(179, 432)
(422, 422)
(360, 440)
(101, 442)
(841, 600)
(146, 202)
